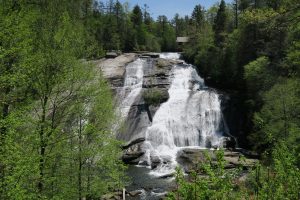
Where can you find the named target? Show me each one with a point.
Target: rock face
(133, 151)
(234, 112)
(157, 75)
(114, 69)
(156, 78)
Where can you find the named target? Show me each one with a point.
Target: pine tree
(198, 16)
(220, 24)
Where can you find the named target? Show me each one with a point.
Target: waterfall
(191, 117)
(172, 56)
(132, 86)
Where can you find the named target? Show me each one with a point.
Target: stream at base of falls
(151, 187)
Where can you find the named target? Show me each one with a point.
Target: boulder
(135, 193)
(107, 197)
(131, 158)
(133, 151)
(155, 161)
(229, 143)
(111, 55)
(190, 158)
(133, 142)
(113, 196)
(167, 176)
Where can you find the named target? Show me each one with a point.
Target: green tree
(278, 119)
(209, 181)
(220, 24)
(137, 16)
(198, 16)
(15, 51)
(281, 179)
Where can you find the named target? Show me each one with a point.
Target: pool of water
(152, 188)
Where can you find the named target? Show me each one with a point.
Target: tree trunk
(42, 146)
(80, 161)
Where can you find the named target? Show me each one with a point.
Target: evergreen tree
(137, 16)
(198, 16)
(220, 24)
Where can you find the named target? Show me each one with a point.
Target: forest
(57, 110)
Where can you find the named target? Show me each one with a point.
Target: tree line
(251, 48)
(113, 26)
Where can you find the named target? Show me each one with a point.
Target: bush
(154, 96)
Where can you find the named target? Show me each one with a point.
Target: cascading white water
(172, 56)
(191, 117)
(132, 86)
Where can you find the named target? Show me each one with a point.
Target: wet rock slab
(132, 151)
(113, 68)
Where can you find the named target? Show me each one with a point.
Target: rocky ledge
(132, 151)
(190, 158)
(113, 69)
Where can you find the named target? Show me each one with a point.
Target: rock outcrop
(191, 158)
(156, 82)
(114, 69)
(133, 151)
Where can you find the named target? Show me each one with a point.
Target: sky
(171, 7)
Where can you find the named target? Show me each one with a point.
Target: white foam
(132, 86)
(171, 56)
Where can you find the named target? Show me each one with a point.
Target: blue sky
(170, 7)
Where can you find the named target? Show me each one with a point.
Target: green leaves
(279, 119)
(281, 180)
(209, 181)
(56, 111)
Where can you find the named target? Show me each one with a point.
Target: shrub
(154, 96)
